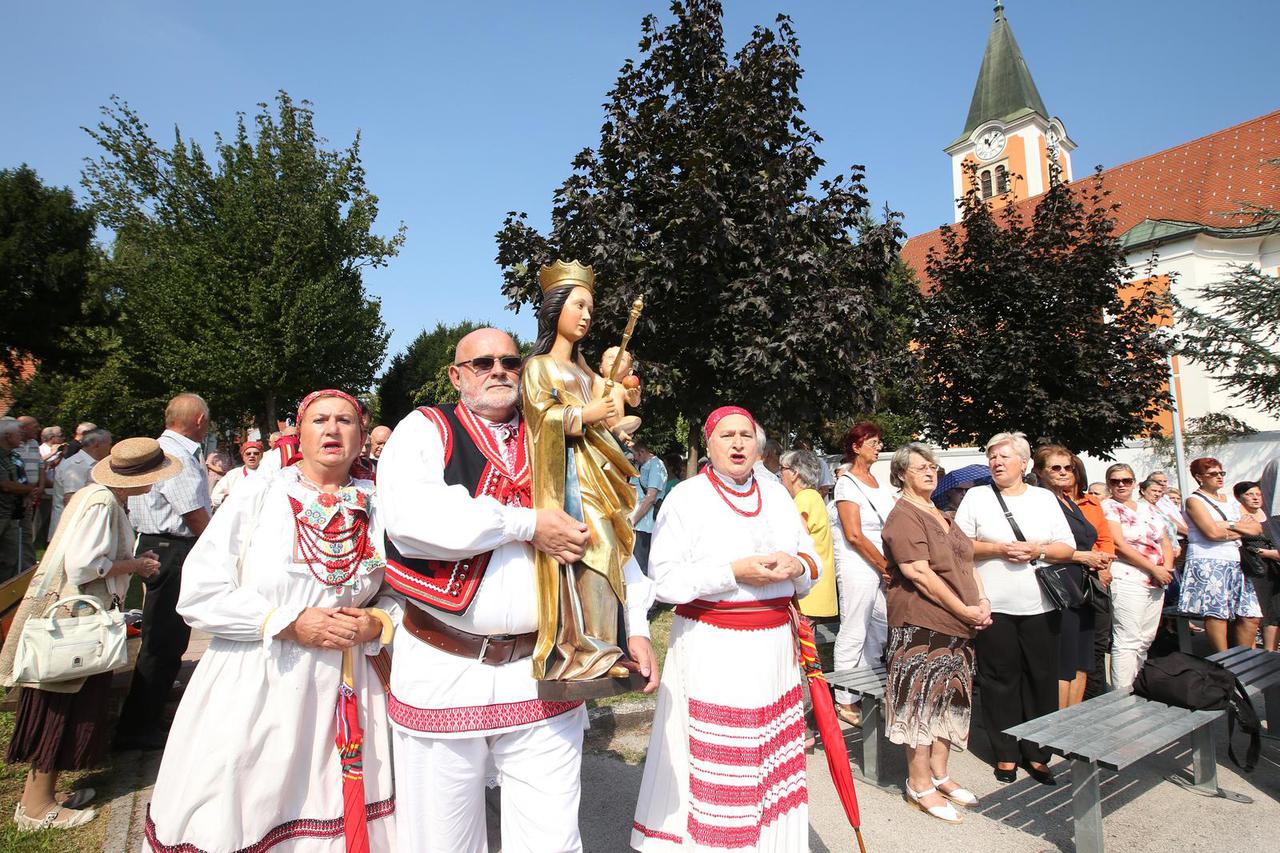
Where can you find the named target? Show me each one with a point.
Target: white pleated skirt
(726, 765)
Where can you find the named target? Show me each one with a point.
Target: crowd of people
(333, 548)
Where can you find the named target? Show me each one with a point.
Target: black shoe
(1044, 777)
(1006, 776)
(143, 742)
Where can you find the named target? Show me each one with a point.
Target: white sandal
(960, 796)
(73, 818)
(946, 812)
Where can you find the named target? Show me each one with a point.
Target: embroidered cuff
(277, 620)
(637, 622)
(519, 523)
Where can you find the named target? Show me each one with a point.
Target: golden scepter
(636, 308)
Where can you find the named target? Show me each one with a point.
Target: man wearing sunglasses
(454, 488)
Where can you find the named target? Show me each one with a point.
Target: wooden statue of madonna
(577, 465)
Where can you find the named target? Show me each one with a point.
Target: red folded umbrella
(350, 743)
(824, 713)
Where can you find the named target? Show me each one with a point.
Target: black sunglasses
(1121, 481)
(484, 363)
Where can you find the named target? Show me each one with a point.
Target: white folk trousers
(864, 621)
(1135, 618)
(440, 786)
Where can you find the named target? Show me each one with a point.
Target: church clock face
(990, 144)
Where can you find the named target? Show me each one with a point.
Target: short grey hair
(8, 425)
(901, 461)
(1016, 440)
(49, 432)
(805, 465)
(94, 437)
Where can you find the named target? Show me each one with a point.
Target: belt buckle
(484, 644)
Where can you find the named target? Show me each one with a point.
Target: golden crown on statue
(560, 274)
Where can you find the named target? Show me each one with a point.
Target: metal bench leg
(1184, 634)
(1271, 702)
(872, 740)
(1204, 768)
(1086, 807)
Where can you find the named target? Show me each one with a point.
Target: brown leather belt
(494, 650)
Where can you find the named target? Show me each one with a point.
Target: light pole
(1179, 456)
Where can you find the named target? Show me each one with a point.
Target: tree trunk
(270, 425)
(691, 446)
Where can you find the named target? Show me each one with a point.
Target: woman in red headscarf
(726, 764)
(266, 747)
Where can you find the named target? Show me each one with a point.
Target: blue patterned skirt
(1217, 589)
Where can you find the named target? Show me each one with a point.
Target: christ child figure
(623, 426)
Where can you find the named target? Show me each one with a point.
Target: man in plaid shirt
(169, 519)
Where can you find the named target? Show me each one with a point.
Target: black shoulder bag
(1190, 682)
(1054, 578)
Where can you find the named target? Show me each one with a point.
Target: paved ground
(1141, 811)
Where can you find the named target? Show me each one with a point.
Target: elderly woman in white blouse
(286, 578)
(1018, 655)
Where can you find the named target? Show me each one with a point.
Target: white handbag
(53, 649)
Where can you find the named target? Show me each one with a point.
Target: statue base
(595, 688)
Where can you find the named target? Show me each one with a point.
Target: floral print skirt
(1217, 589)
(929, 689)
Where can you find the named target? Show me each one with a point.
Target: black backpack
(1187, 681)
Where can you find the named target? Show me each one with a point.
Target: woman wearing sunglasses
(1213, 585)
(1142, 569)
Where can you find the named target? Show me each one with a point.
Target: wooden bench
(870, 682)
(1259, 672)
(1114, 731)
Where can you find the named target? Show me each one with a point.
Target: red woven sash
(738, 615)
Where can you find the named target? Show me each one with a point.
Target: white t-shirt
(1012, 587)
(873, 508)
(1200, 547)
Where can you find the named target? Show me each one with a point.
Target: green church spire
(1005, 90)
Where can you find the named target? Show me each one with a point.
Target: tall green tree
(703, 197)
(242, 272)
(46, 258)
(1234, 331)
(419, 375)
(1027, 327)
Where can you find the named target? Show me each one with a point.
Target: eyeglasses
(484, 363)
(1059, 469)
(926, 468)
(1121, 481)
(1215, 473)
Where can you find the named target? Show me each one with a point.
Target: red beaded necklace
(724, 492)
(339, 563)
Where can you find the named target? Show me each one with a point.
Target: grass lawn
(13, 777)
(659, 634)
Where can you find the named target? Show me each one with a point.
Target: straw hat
(136, 462)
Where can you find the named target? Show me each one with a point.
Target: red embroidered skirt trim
(299, 828)
(650, 832)
(474, 718)
(738, 615)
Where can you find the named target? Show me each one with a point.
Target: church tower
(1008, 135)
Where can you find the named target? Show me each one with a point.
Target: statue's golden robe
(587, 476)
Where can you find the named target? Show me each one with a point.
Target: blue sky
(469, 110)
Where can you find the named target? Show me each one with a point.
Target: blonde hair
(1016, 440)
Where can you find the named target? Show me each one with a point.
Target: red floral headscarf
(720, 414)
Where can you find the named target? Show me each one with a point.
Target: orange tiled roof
(1199, 181)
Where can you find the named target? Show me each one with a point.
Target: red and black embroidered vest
(475, 460)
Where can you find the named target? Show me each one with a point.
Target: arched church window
(986, 183)
(1002, 180)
